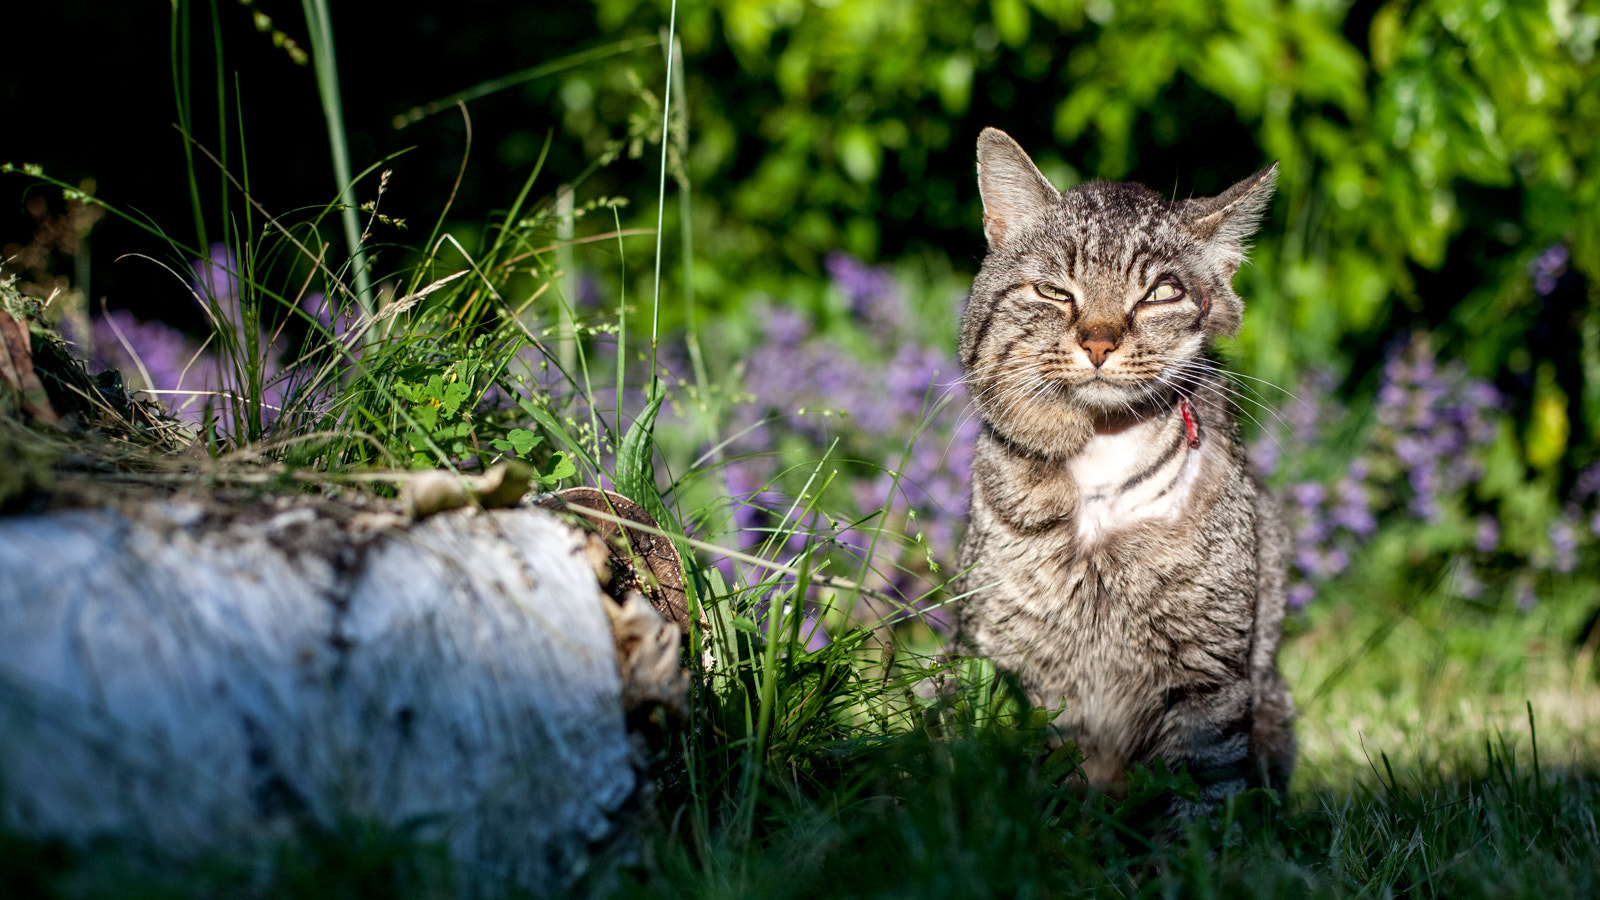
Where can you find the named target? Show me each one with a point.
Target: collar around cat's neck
(1191, 423)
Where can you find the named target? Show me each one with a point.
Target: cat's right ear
(1014, 191)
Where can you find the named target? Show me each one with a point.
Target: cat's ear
(1014, 191)
(1227, 220)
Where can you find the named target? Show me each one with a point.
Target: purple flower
(323, 311)
(1413, 452)
(216, 282)
(1424, 502)
(912, 374)
(814, 633)
(1265, 455)
(588, 289)
(1548, 267)
(1488, 534)
(874, 297)
(785, 327)
(1527, 600)
(745, 484)
(1308, 494)
(1564, 541)
(1588, 484)
(1358, 520)
(158, 355)
(1300, 595)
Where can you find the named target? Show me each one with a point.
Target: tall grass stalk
(686, 230)
(320, 28)
(661, 197)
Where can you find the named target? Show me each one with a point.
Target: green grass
(1464, 779)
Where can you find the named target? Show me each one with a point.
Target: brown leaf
(16, 368)
(652, 560)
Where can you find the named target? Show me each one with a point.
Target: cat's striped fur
(1125, 563)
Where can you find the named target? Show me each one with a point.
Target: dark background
(89, 95)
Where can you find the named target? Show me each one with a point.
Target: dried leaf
(652, 560)
(16, 368)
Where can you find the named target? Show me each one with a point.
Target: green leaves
(517, 442)
(436, 406)
(446, 431)
(636, 474)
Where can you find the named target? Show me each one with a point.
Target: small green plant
(436, 408)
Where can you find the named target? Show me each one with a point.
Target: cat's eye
(1053, 292)
(1164, 292)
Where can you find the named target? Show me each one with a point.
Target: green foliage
(636, 471)
(431, 402)
(1416, 138)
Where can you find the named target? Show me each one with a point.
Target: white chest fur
(1134, 475)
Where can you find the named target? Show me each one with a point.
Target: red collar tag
(1191, 425)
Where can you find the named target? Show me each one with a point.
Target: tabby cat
(1126, 565)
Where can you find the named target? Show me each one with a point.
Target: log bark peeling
(207, 679)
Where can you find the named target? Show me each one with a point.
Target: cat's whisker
(1229, 396)
(1025, 393)
(1218, 385)
(1192, 375)
(1266, 432)
(995, 392)
(1215, 366)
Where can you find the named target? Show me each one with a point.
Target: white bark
(207, 679)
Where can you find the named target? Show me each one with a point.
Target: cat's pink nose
(1098, 351)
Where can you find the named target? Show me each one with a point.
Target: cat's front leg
(1207, 729)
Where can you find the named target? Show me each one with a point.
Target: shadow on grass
(984, 816)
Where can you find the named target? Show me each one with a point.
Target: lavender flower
(1527, 600)
(1488, 534)
(334, 321)
(1587, 485)
(216, 282)
(802, 383)
(875, 299)
(186, 375)
(1548, 267)
(1564, 542)
(1430, 415)
(1432, 420)
(785, 327)
(153, 356)
(1300, 594)
(814, 632)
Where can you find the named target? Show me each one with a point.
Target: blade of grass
(325, 64)
(661, 198)
(572, 61)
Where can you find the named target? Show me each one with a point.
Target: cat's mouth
(1101, 390)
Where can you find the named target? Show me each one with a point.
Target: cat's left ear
(1227, 220)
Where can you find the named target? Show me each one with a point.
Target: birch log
(205, 679)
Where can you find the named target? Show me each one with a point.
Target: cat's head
(1101, 299)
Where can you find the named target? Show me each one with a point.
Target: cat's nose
(1098, 349)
